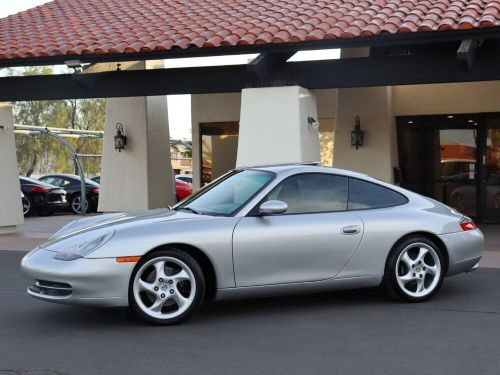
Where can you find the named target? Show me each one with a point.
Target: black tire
(390, 274)
(26, 200)
(199, 290)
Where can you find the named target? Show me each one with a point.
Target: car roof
(73, 177)
(61, 175)
(306, 167)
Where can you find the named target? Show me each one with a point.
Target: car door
(312, 241)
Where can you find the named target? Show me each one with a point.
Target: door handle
(351, 229)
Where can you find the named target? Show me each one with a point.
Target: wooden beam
(355, 72)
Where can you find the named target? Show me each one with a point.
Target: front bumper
(464, 250)
(99, 282)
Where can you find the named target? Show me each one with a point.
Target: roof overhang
(381, 40)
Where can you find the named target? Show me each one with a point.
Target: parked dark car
(41, 198)
(71, 183)
(96, 179)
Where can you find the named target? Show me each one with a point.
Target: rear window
(36, 182)
(364, 195)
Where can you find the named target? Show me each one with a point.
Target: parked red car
(182, 189)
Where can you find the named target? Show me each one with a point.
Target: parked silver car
(257, 231)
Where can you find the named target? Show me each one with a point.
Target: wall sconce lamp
(314, 124)
(120, 139)
(357, 135)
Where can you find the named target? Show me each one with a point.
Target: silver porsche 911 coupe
(257, 231)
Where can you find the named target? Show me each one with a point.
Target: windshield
(227, 195)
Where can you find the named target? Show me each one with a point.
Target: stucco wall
(378, 156)
(447, 98)
(140, 177)
(274, 126)
(10, 191)
(326, 103)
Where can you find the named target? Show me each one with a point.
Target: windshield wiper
(191, 210)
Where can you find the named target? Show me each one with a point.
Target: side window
(64, 182)
(363, 195)
(51, 180)
(312, 193)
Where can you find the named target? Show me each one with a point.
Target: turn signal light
(467, 224)
(133, 259)
(94, 191)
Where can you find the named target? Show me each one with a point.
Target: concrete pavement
(352, 332)
(35, 231)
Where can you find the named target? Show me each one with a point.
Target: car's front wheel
(415, 269)
(166, 287)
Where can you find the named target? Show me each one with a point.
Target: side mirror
(273, 207)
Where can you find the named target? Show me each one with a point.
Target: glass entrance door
(490, 171)
(457, 177)
(454, 159)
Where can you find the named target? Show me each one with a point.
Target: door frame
(477, 121)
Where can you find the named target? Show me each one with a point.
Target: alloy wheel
(26, 205)
(164, 288)
(76, 205)
(418, 270)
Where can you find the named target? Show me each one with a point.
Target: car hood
(108, 222)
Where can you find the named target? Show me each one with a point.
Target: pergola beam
(440, 67)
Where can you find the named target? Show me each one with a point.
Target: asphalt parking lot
(352, 332)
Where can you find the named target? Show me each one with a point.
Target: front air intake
(51, 289)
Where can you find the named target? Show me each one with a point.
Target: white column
(140, 177)
(11, 213)
(378, 155)
(274, 126)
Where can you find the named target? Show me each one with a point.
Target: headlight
(79, 251)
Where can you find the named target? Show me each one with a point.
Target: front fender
(212, 236)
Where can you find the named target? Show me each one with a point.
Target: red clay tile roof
(74, 27)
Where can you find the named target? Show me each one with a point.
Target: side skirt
(283, 289)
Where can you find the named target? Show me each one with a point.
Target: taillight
(39, 189)
(467, 224)
(94, 191)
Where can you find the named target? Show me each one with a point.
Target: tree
(43, 154)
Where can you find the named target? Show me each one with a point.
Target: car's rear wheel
(27, 206)
(166, 287)
(415, 269)
(76, 204)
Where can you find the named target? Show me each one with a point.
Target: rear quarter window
(365, 195)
